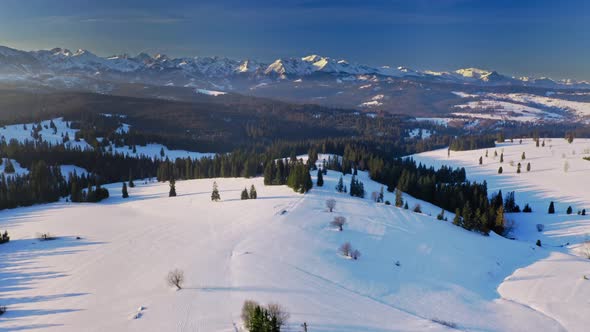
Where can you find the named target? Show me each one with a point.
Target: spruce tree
(244, 194)
(9, 167)
(320, 181)
(502, 157)
(480, 160)
(518, 168)
(131, 184)
(215, 193)
(253, 193)
(172, 192)
(381, 195)
(340, 185)
(551, 208)
(523, 157)
(124, 191)
(569, 210)
(500, 170)
(406, 206)
(528, 167)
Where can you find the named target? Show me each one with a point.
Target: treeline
(472, 142)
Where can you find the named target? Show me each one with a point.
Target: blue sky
(539, 38)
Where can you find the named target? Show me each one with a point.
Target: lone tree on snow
(551, 208)
(338, 222)
(523, 157)
(502, 157)
(172, 192)
(528, 167)
(253, 193)
(244, 194)
(331, 204)
(176, 278)
(569, 210)
(480, 160)
(345, 249)
(125, 194)
(500, 170)
(320, 181)
(215, 193)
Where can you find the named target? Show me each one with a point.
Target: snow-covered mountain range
(59, 61)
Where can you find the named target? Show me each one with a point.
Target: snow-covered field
(554, 284)
(278, 248)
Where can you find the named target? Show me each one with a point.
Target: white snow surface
(553, 284)
(278, 248)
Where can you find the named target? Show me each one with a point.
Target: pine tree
(480, 160)
(9, 167)
(253, 193)
(569, 210)
(172, 192)
(528, 167)
(399, 201)
(406, 206)
(320, 180)
(162, 153)
(381, 195)
(502, 157)
(486, 153)
(551, 208)
(518, 168)
(340, 185)
(124, 190)
(215, 193)
(523, 157)
(131, 184)
(500, 170)
(244, 194)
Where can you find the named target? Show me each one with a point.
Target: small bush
(331, 204)
(345, 249)
(527, 209)
(2, 310)
(417, 208)
(4, 237)
(387, 203)
(538, 243)
(569, 210)
(45, 236)
(175, 278)
(540, 227)
(338, 222)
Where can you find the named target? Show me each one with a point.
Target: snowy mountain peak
(61, 60)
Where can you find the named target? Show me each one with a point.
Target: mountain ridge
(61, 60)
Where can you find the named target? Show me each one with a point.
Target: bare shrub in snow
(345, 249)
(417, 208)
(331, 204)
(45, 236)
(279, 313)
(355, 254)
(176, 278)
(338, 222)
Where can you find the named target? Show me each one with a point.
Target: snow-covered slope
(415, 273)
